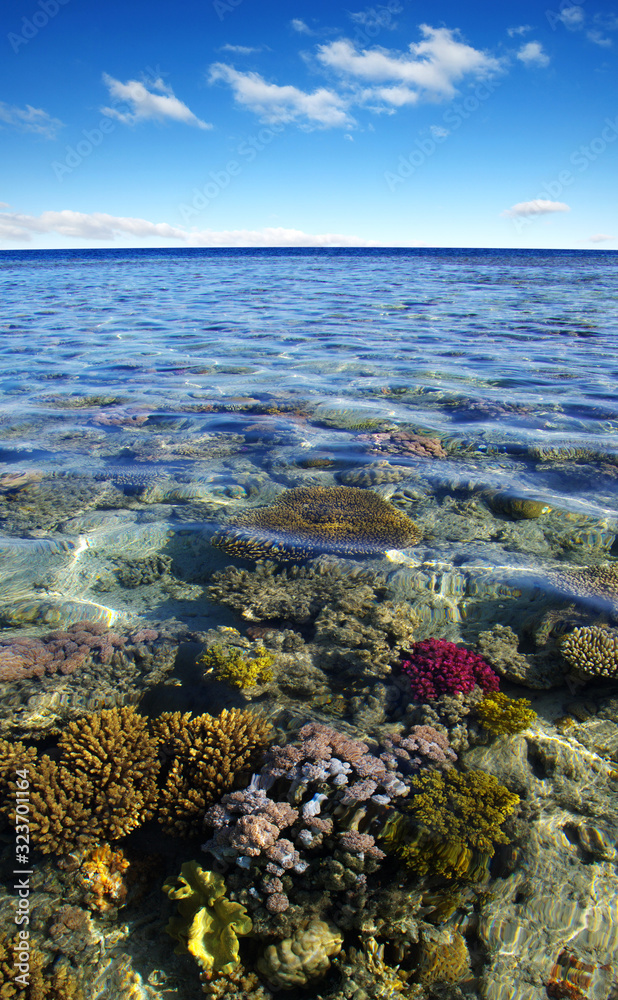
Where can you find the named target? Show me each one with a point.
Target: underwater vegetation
(456, 822)
(208, 924)
(436, 667)
(499, 714)
(306, 521)
(231, 667)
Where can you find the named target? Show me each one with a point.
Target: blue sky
(236, 123)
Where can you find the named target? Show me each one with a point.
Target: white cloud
(596, 36)
(540, 206)
(531, 54)
(300, 26)
(100, 226)
(30, 119)
(433, 66)
(600, 238)
(323, 108)
(438, 132)
(572, 17)
(145, 106)
(522, 29)
(243, 50)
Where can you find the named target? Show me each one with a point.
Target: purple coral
(437, 667)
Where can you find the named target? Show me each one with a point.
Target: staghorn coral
(456, 822)
(305, 521)
(499, 714)
(231, 667)
(304, 957)
(236, 984)
(437, 667)
(103, 786)
(207, 925)
(57, 652)
(206, 757)
(592, 651)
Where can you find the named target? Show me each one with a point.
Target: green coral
(230, 666)
(306, 521)
(452, 823)
(500, 714)
(207, 925)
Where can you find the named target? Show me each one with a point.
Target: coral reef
(517, 508)
(443, 958)
(208, 924)
(236, 984)
(591, 651)
(373, 475)
(367, 976)
(437, 667)
(297, 960)
(600, 583)
(58, 652)
(45, 981)
(203, 758)
(101, 874)
(456, 822)
(102, 787)
(499, 646)
(499, 714)
(231, 667)
(404, 442)
(305, 521)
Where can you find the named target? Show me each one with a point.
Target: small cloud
(600, 238)
(349, 137)
(596, 36)
(373, 18)
(540, 206)
(100, 226)
(531, 54)
(521, 30)
(146, 106)
(438, 132)
(300, 26)
(572, 17)
(242, 50)
(321, 109)
(30, 119)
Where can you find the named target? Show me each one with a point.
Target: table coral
(103, 785)
(437, 667)
(456, 820)
(305, 521)
(205, 757)
(208, 924)
(499, 714)
(592, 651)
(231, 667)
(305, 956)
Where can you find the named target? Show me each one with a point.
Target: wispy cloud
(572, 17)
(144, 105)
(596, 36)
(297, 25)
(242, 50)
(600, 238)
(432, 67)
(521, 29)
(100, 226)
(532, 54)
(540, 206)
(321, 109)
(30, 119)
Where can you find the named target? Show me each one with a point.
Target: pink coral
(437, 667)
(404, 443)
(422, 746)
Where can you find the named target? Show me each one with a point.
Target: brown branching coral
(39, 980)
(305, 521)
(102, 787)
(598, 583)
(208, 757)
(592, 651)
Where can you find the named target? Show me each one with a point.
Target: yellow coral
(592, 651)
(304, 956)
(308, 520)
(208, 925)
(101, 874)
(500, 714)
(230, 666)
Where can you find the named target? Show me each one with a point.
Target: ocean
(158, 409)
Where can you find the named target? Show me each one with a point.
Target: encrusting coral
(305, 956)
(231, 667)
(437, 667)
(499, 714)
(456, 821)
(208, 924)
(599, 583)
(103, 786)
(592, 651)
(206, 756)
(305, 521)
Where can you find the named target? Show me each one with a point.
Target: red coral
(437, 667)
